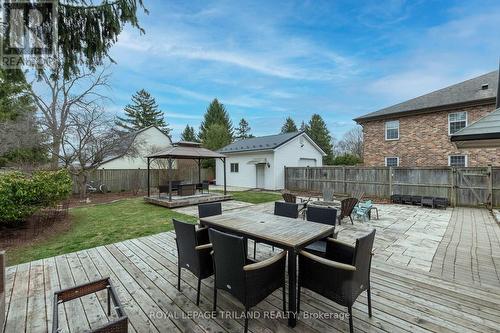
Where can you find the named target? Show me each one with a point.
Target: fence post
(390, 181)
(286, 179)
(453, 187)
(344, 180)
(490, 187)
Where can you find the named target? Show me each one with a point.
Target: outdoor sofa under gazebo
(185, 194)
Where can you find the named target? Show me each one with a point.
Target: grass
(99, 225)
(255, 197)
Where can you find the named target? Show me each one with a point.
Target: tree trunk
(56, 149)
(82, 184)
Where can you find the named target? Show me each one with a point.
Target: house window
(457, 160)
(392, 161)
(392, 130)
(235, 167)
(456, 121)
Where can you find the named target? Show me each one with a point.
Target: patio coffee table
(289, 234)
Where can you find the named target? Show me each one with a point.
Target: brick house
(417, 132)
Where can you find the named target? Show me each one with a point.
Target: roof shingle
(260, 143)
(463, 92)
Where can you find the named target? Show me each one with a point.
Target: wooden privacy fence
(137, 179)
(462, 186)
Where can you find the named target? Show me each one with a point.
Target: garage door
(307, 162)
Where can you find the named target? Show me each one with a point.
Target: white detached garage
(260, 162)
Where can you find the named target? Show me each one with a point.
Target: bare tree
(56, 98)
(89, 139)
(352, 142)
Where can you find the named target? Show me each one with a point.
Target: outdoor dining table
(289, 234)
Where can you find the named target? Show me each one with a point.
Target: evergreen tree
(14, 99)
(216, 114)
(216, 137)
(317, 130)
(289, 126)
(22, 142)
(86, 30)
(142, 113)
(188, 134)
(303, 127)
(243, 130)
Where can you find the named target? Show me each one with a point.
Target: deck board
(144, 272)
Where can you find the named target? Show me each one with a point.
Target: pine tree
(243, 130)
(142, 113)
(289, 126)
(216, 114)
(317, 130)
(303, 127)
(188, 134)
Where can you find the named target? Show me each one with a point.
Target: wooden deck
(190, 200)
(470, 249)
(144, 273)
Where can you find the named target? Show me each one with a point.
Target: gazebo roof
(186, 150)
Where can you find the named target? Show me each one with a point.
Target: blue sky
(266, 60)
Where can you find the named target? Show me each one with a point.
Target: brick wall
(424, 141)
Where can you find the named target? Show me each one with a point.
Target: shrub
(21, 195)
(346, 159)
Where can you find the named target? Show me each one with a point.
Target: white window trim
(466, 159)
(385, 130)
(449, 122)
(397, 158)
(231, 167)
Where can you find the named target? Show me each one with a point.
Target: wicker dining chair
(248, 281)
(346, 208)
(342, 275)
(286, 209)
(209, 209)
(2, 290)
(324, 215)
(193, 253)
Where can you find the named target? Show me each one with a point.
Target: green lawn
(100, 225)
(255, 197)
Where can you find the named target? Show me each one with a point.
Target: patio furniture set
(182, 188)
(423, 201)
(218, 246)
(347, 205)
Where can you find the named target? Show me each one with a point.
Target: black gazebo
(184, 150)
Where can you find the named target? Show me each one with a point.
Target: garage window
(235, 167)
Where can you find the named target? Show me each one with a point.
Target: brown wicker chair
(119, 325)
(289, 197)
(2, 290)
(346, 208)
(342, 275)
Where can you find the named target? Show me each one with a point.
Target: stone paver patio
(460, 244)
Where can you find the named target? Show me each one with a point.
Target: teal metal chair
(363, 210)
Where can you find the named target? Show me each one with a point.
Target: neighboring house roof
(269, 142)
(486, 128)
(185, 149)
(127, 141)
(470, 92)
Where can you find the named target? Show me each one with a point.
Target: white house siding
(149, 141)
(297, 152)
(246, 177)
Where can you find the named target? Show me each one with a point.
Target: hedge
(21, 195)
